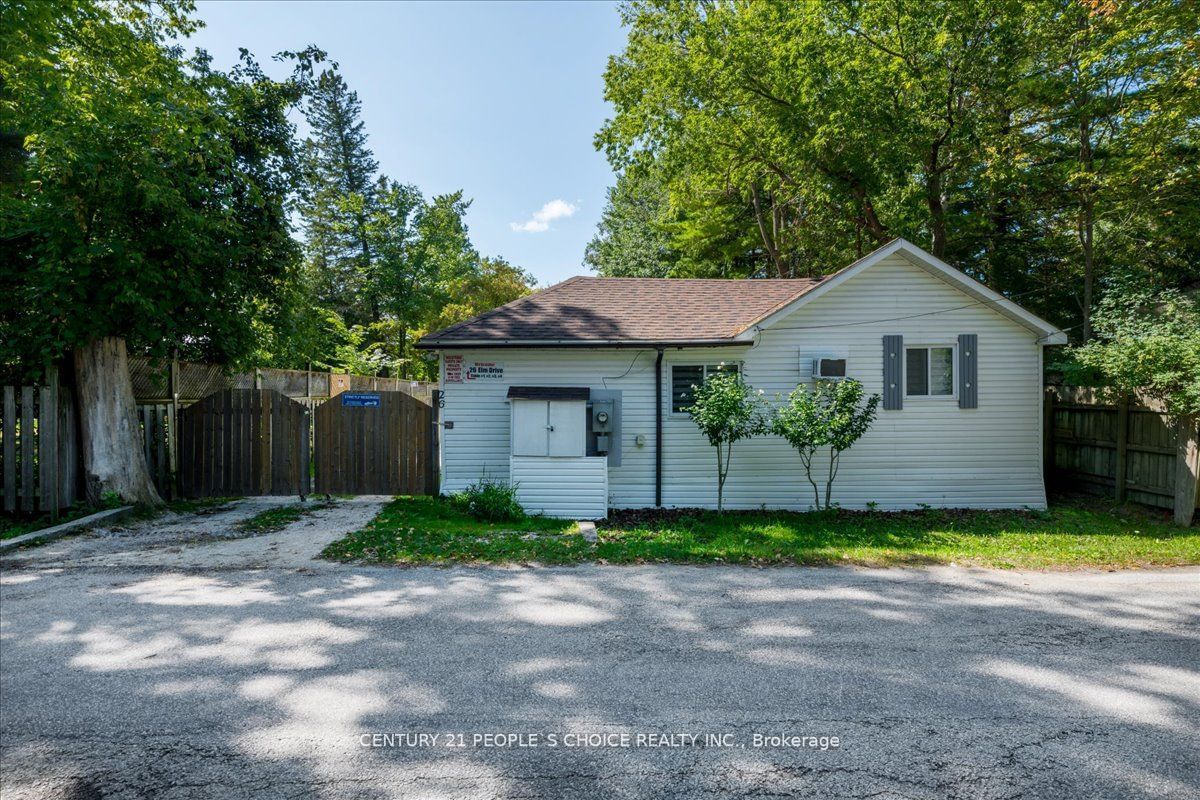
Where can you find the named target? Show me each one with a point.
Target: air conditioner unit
(828, 368)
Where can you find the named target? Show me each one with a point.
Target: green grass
(13, 526)
(278, 518)
(427, 530)
(1074, 533)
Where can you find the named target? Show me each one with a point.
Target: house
(576, 392)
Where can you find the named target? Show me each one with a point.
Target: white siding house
(960, 368)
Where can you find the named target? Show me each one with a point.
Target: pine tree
(338, 199)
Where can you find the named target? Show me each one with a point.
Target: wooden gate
(243, 442)
(374, 443)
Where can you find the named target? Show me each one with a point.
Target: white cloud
(541, 219)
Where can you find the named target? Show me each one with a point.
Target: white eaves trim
(1048, 334)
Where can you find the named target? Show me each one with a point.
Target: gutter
(658, 429)
(619, 344)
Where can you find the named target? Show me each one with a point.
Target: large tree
(338, 200)
(147, 207)
(1036, 145)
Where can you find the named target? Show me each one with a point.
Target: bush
(490, 501)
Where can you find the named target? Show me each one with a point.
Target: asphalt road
(619, 682)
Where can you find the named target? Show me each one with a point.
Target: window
(683, 378)
(929, 371)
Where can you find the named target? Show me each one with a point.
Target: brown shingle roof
(587, 310)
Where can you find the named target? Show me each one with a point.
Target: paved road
(163, 681)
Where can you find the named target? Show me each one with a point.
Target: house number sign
(485, 371)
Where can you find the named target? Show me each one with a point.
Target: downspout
(658, 433)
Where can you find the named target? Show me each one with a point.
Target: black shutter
(893, 364)
(968, 370)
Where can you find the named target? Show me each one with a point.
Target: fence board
(10, 449)
(372, 450)
(27, 438)
(48, 449)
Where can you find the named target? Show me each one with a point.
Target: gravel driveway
(241, 668)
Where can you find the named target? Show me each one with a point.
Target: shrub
(490, 500)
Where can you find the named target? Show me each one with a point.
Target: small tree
(832, 415)
(726, 410)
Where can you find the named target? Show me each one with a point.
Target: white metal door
(530, 421)
(567, 428)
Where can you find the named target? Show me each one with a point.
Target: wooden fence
(243, 442)
(1129, 449)
(157, 423)
(39, 453)
(384, 445)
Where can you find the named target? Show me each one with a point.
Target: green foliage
(389, 263)
(726, 410)
(631, 239)
(490, 500)
(833, 415)
(1038, 146)
(144, 181)
(1147, 341)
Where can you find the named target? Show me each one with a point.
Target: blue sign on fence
(362, 400)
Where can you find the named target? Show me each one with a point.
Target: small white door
(530, 420)
(568, 428)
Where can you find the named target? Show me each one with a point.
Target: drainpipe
(658, 437)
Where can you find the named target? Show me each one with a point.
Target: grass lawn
(1074, 532)
(278, 518)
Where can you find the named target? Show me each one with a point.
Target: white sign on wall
(485, 371)
(453, 369)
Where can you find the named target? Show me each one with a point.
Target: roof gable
(926, 261)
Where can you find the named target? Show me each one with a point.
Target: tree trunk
(113, 460)
(933, 199)
(720, 479)
(768, 241)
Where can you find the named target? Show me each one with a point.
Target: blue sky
(499, 99)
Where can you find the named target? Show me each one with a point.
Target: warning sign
(453, 369)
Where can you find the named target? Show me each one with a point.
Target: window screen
(684, 377)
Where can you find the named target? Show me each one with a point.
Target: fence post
(1187, 469)
(435, 445)
(1122, 447)
(1050, 395)
(10, 449)
(172, 416)
(257, 378)
(48, 443)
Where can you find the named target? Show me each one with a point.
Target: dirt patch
(209, 538)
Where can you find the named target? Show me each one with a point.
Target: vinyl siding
(930, 452)
(574, 488)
